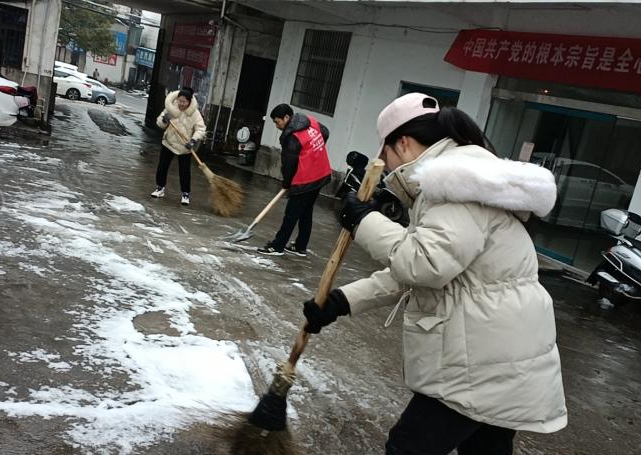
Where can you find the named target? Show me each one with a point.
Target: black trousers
(429, 427)
(184, 169)
(299, 209)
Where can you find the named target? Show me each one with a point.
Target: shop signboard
(193, 56)
(195, 33)
(111, 60)
(120, 40)
(145, 57)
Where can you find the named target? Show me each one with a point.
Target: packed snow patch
(122, 204)
(172, 381)
(41, 355)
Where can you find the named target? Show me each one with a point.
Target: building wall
(168, 81)
(149, 35)
(116, 73)
(110, 73)
(40, 48)
(380, 58)
(257, 36)
(374, 69)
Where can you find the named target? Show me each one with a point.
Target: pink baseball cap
(402, 110)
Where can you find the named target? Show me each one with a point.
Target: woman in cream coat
(181, 108)
(479, 337)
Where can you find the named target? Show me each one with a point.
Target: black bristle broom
(264, 431)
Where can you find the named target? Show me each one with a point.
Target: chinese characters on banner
(610, 63)
(191, 43)
(193, 56)
(188, 57)
(198, 33)
(111, 60)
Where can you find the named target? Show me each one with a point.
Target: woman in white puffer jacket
(479, 334)
(181, 108)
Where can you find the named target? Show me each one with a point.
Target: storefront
(189, 57)
(577, 112)
(145, 58)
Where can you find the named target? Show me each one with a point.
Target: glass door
(615, 188)
(575, 145)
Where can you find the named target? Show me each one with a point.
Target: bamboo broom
(226, 195)
(265, 431)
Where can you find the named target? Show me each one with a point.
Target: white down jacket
(189, 122)
(479, 331)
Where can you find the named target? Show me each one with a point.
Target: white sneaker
(185, 199)
(159, 192)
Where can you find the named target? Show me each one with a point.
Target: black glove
(335, 306)
(353, 210)
(166, 118)
(191, 144)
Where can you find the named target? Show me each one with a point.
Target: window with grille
(320, 70)
(13, 26)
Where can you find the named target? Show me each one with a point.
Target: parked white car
(584, 191)
(71, 85)
(10, 102)
(57, 64)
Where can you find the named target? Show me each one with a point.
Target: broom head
(264, 431)
(239, 436)
(226, 195)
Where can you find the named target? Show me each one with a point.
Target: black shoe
(269, 250)
(291, 248)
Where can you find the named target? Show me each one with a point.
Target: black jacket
(291, 150)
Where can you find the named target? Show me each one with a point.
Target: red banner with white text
(193, 56)
(609, 63)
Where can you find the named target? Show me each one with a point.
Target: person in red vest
(306, 169)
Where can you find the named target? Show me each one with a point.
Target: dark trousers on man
(299, 209)
(427, 426)
(184, 169)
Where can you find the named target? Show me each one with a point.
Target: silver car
(100, 93)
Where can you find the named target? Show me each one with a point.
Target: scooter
(391, 206)
(25, 99)
(618, 276)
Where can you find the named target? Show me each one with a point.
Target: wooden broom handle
(193, 153)
(365, 192)
(274, 200)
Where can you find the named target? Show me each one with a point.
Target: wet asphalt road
(73, 200)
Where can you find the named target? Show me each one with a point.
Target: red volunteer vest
(313, 161)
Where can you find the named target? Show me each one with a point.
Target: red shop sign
(111, 60)
(611, 63)
(200, 33)
(193, 56)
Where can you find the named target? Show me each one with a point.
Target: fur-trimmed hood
(171, 104)
(446, 173)
(189, 123)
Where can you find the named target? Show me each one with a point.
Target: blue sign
(120, 39)
(145, 57)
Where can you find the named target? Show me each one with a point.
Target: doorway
(252, 97)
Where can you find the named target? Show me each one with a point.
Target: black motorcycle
(391, 206)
